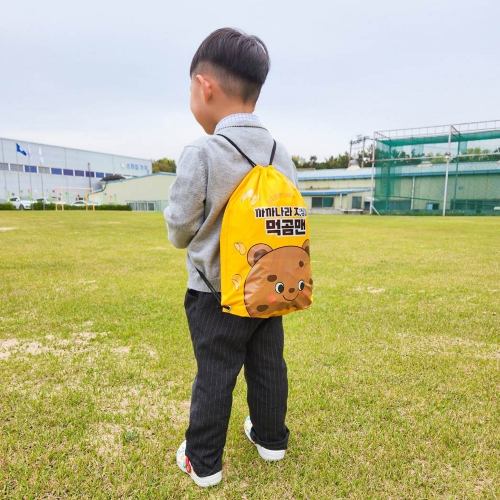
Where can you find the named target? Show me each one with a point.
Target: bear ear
(305, 246)
(256, 252)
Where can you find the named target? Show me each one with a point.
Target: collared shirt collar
(230, 120)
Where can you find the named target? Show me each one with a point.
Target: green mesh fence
(423, 171)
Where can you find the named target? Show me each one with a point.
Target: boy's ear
(206, 87)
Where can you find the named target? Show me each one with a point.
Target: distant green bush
(6, 206)
(126, 208)
(40, 206)
(52, 206)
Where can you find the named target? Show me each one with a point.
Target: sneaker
(263, 452)
(185, 466)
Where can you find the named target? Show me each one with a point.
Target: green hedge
(52, 206)
(39, 206)
(126, 208)
(6, 206)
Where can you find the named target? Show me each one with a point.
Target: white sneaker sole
(270, 455)
(204, 482)
(265, 454)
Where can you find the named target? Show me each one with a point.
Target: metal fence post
(447, 155)
(372, 189)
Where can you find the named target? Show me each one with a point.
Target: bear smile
(291, 300)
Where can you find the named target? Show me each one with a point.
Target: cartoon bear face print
(279, 279)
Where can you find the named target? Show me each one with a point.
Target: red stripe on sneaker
(188, 466)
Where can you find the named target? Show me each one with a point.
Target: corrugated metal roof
(334, 173)
(139, 177)
(332, 192)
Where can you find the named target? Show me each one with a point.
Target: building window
(142, 206)
(4, 166)
(67, 171)
(432, 206)
(356, 202)
(322, 202)
(401, 205)
(89, 174)
(317, 202)
(79, 173)
(99, 175)
(56, 171)
(16, 168)
(44, 170)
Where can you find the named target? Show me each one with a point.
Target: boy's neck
(237, 109)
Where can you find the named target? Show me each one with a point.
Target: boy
(227, 73)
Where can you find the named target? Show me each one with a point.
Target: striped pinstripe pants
(223, 343)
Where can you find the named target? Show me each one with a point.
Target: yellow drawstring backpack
(264, 246)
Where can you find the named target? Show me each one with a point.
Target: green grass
(394, 372)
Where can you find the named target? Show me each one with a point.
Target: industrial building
(32, 170)
(148, 193)
(335, 191)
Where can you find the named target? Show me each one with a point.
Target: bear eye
(280, 287)
(301, 285)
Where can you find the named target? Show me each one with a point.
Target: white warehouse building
(33, 170)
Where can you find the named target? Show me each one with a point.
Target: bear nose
(291, 290)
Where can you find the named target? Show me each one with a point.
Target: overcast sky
(113, 76)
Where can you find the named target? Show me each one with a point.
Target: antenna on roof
(359, 151)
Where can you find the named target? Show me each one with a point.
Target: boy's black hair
(239, 62)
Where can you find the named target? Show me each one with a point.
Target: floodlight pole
(447, 155)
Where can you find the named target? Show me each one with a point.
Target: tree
(302, 163)
(478, 154)
(164, 165)
(299, 161)
(340, 161)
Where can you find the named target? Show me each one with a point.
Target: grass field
(394, 372)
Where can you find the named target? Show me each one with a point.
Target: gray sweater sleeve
(185, 213)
